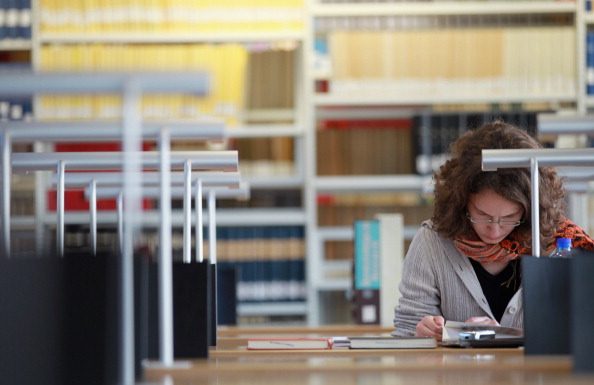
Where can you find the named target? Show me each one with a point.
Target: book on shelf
(364, 146)
(433, 133)
(442, 63)
(590, 62)
(379, 254)
(170, 16)
(224, 63)
(289, 343)
(393, 342)
(269, 260)
(15, 108)
(367, 272)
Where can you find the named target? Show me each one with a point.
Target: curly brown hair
(462, 175)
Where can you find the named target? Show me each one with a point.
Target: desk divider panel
(582, 314)
(547, 310)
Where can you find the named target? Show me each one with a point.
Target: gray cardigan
(439, 280)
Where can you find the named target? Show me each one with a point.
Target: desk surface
(230, 363)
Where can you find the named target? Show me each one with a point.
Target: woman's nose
(494, 229)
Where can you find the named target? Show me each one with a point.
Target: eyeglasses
(499, 221)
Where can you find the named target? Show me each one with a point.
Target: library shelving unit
(321, 90)
(360, 51)
(60, 27)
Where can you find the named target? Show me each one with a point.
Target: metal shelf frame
(533, 159)
(94, 182)
(130, 86)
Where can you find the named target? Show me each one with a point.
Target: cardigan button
(512, 310)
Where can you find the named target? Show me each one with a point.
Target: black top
(499, 289)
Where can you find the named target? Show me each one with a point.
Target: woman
(463, 264)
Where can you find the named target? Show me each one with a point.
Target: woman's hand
(430, 326)
(482, 321)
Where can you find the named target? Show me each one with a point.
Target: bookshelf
(63, 48)
(356, 77)
(289, 118)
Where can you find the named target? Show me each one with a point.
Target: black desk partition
(559, 307)
(192, 310)
(58, 322)
(582, 303)
(547, 307)
(59, 317)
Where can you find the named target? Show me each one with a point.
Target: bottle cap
(564, 242)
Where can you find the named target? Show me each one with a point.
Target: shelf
(372, 183)
(442, 8)
(392, 98)
(165, 37)
(23, 221)
(272, 308)
(264, 131)
(354, 112)
(346, 233)
(589, 18)
(342, 284)
(15, 45)
(271, 182)
(270, 114)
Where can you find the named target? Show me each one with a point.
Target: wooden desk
(443, 366)
(234, 338)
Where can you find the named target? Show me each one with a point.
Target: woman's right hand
(430, 326)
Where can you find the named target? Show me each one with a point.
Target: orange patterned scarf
(511, 247)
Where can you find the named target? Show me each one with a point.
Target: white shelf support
(6, 177)
(60, 208)
(199, 227)
(165, 258)
(535, 205)
(93, 218)
(187, 249)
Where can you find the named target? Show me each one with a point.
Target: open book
(503, 336)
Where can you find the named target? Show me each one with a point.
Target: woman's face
(487, 205)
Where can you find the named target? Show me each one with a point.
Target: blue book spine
(11, 21)
(2, 19)
(367, 263)
(590, 62)
(246, 286)
(24, 26)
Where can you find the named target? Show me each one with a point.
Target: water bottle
(563, 249)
